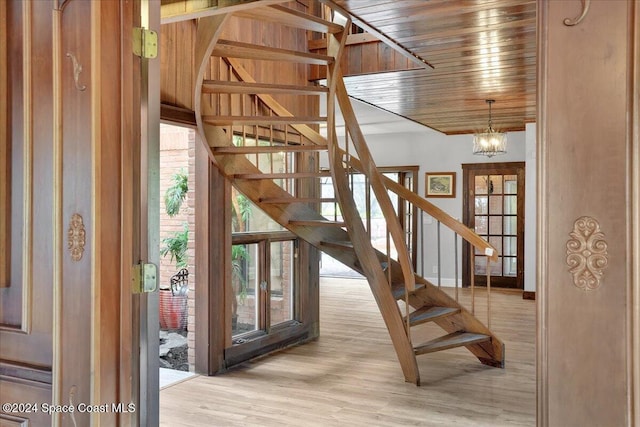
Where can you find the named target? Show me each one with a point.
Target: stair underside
(233, 49)
(261, 120)
(429, 314)
(453, 340)
(214, 86)
(269, 149)
(292, 18)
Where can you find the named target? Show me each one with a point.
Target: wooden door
(68, 238)
(493, 205)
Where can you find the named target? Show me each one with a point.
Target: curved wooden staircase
(254, 107)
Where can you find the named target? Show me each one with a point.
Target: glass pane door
(494, 210)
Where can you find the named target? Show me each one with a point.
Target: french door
(493, 206)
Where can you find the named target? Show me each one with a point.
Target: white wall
(530, 209)
(394, 141)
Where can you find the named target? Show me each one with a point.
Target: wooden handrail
(375, 180)
(438, 214)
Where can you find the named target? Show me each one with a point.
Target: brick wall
(191, 207)
(177, 153)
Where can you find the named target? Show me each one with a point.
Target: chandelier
(490, 143)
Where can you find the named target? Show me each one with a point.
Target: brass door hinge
(144, 278)
(145, 43)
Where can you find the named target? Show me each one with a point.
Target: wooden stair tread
(345, 244)
(261, 120)
(453, 340)
(398, 289)
(283, 175)
(428, 314)
(218, 86)
(317, 222)
(297, 200)
(291, 18)
(233, 49)
(268, 149)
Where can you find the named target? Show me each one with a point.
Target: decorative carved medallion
(77, 69)
(76, 237)
(587, 253)
(585, 9)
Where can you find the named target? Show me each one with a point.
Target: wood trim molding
(56, 71)
(633, 307)
(542, 261)
(5, 155)
(27, 175)
(530, 295)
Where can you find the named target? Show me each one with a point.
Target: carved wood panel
(26, 308)
(66, 120)
(585, 228)
(25, 318)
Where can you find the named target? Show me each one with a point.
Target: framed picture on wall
(440, 184)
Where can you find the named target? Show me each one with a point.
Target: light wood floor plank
(350, 375)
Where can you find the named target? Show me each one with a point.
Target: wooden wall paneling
(369, 61)
(176, 64)
(169, 44)
(583, 333)
(184, 73)
(386, 56)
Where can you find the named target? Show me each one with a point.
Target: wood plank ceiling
(479, 49)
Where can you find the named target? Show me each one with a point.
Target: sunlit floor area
(350, 376)
(171, 377)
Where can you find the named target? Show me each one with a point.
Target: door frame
(468, 201)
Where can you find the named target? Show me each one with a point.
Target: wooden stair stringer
(362, 246)
(370, 266)
(490, 352)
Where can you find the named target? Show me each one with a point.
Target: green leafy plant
(176, 193)
(239, 253)
(176, 246)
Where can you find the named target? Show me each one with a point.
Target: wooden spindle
(455, 262)
(422, 254)
(439, 272)
(473, 280)
(488, 293)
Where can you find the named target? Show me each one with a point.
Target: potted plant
(241, 212)
(173, 296)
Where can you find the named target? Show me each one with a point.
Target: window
(372, 214)
(264, 264)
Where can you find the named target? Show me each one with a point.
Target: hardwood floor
(350, 375)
